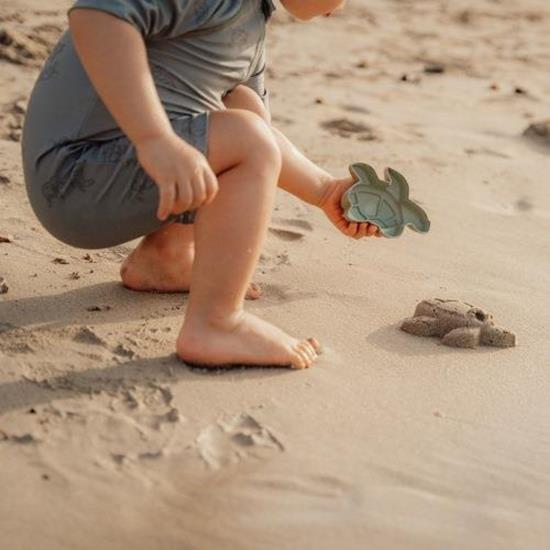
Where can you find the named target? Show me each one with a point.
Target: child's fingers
(352, 228)
(211, 185)
(184, 195)
(372, 230)
(167, 197)
(362, 231)
(199, 192)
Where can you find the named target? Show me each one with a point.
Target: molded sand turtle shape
(459, 325)
(384, 203)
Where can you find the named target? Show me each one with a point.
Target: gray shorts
(82, 175)
(98, 195)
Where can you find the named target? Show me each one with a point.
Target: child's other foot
(158, 268)
(244, 340)
(160, 265)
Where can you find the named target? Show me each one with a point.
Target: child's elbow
(304, 16)
(298, 9)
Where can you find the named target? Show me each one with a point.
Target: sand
(391, 441)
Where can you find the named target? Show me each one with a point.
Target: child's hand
(182, 173)
(331, 206)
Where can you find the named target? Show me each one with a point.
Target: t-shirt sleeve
(151, 17)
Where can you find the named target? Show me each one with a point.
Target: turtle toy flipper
(384, 203)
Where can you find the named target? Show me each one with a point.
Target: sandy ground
(108, 442)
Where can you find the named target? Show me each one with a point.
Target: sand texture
(392, 441)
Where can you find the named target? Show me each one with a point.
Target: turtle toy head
(384, 203)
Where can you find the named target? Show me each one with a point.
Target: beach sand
(390, 441)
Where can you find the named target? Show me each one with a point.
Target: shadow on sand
(25, 394)
(117, 304)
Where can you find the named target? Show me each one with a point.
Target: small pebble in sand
(105, 307)
(88, 258)
(518, 90)
(3, 286)
(6, 238)
(411, 78)
(437, 414)
(4, 179)
(75, 275)
(319, 100)
(60, 260)
(494, 87)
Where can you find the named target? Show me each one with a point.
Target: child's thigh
(243, 97)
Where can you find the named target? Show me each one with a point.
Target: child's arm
(306, 9)
(302, 177)
(114, 56)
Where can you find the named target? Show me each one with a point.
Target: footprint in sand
(524, 204)
(293, 222)
(234, 439)
(280, 294)
(120, 424)
(346, 128)
(538, 134)
(286, 234)
(21, 44)
(11, 119)
(499, 200)
(86, 335)
(486, 151)
(290, 229)
(355, 109)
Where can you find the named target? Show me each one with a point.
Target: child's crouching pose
(149, 119)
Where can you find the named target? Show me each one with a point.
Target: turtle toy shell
(384, 203)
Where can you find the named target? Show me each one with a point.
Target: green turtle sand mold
(458, 324)
(384, 203)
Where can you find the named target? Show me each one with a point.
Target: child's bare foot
(243, 340)
(162, 262)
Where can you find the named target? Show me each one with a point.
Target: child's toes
(299, 360)
(316, 345)
(308, 351)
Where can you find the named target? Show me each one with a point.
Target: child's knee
(241, 138)
(260, 143)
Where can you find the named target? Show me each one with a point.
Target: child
(150, 119)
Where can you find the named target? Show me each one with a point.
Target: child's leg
(229, 233)
(299, 175)
(163, 261)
